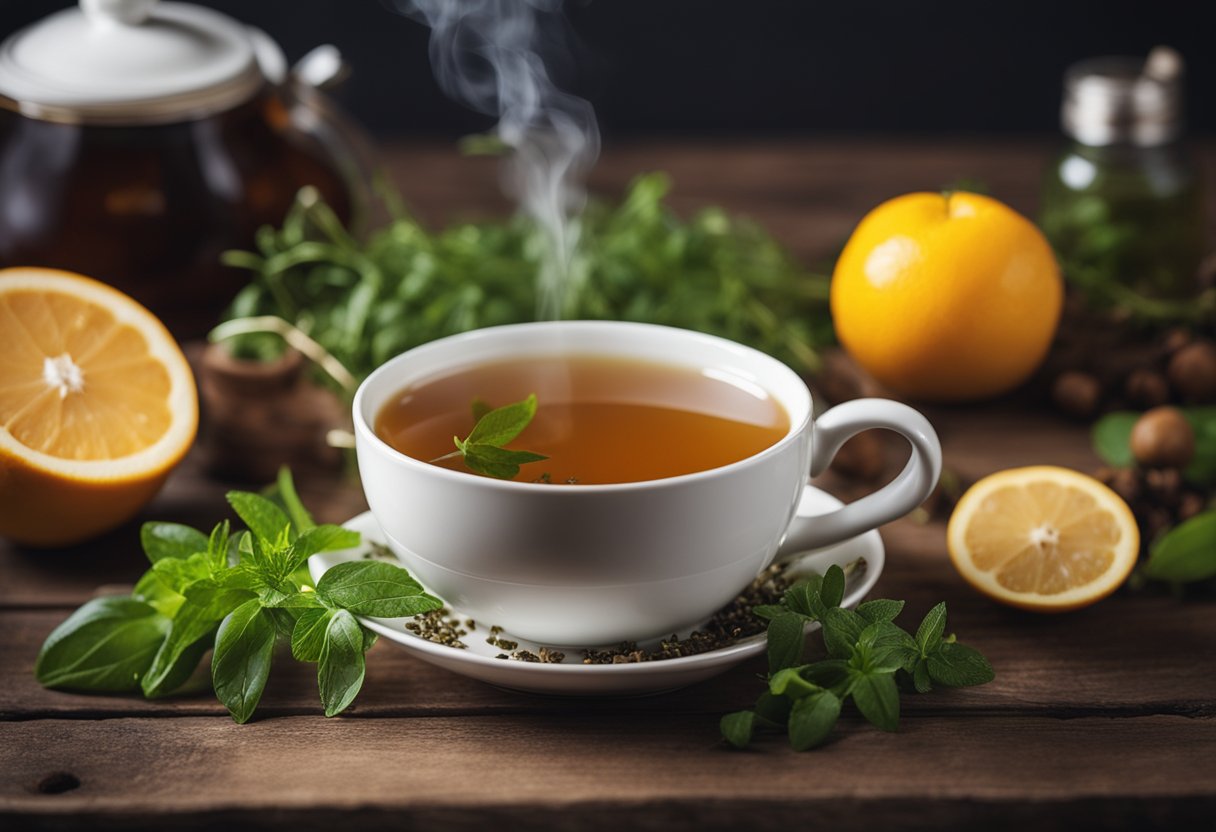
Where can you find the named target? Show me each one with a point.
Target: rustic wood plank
(1135, 654)
(597, 772)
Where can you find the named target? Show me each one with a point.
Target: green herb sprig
(870, 661)
(238, 595)
(484, 451)
(367, 301)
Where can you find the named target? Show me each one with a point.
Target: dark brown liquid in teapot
(599, 419)
(150, 209)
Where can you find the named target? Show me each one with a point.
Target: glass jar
(1122, 205)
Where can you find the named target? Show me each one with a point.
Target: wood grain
(1099, 718)
(596, 771)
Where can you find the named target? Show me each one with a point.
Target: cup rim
(364, 431)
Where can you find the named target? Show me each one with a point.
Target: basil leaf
(929, 633)
(152, 590)
(204, 606)
(340, 667)
(812, 719)
(841, 630)
(264, 518)
(240, 665)
(737, 728)
(308, 636)
(1111, 438)
(320, 539)
(957, 665)
(106, 645)
(370, 587)
(880, 609)
(785, 642)
(832, 592)
(877, 698)
(179, 573)
(218, 545)
(500, 426)
(170, 540)
(1187, 552)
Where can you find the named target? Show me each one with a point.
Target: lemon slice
(97, 405)
(1043, 538)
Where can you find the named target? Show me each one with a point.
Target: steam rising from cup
(497, 57)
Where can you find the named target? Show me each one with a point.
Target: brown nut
(1163, 438)
(1077, 394)
(1146, 388)
(1192, 372)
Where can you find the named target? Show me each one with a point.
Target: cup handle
(895, 499)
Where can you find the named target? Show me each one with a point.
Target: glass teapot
(140, 139)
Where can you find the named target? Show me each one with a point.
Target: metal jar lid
(1120, 100)
(128, 62)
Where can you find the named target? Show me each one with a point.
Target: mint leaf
(877, 698)
(737, 728)
(266, 520)
(308, 636)
(812, 719)
(832, 674)
(479, 409)
(106, 645)
(340, 667)
(957, 665)
(170, 540)
(832, 592)
(325, 538)
(240, 665)
(889, 647)
(803, 598)
(497, 462)
(785, 642)
(920, 677)
(285, 490)
(371, 587)
(880, 609)
(501, 425)
(841, 630)
(789, 682)
(768, 611)
(929, 633)
(1186, 553)
(205, 605)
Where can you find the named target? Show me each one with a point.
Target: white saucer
(572, 677)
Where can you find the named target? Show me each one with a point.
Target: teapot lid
(128, 62)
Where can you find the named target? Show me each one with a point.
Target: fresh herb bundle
(870, 660)
(365, 302)
(238, 595)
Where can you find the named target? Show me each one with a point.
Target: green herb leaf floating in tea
(483, 450)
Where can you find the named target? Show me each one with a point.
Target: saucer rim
(740, 650)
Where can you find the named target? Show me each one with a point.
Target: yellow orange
(1043, 538)
(947, 297)
(97, 405)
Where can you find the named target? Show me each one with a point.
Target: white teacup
(599, 564)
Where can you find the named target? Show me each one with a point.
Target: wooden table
(1098, 718)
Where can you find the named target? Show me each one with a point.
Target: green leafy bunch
(237, 595)
(870, 660)
(367, 301)
(1187, 552)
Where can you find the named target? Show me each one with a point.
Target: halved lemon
(1043, 538)
(97, 405)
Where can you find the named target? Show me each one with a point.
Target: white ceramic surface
(594, 564)
(572, 678)
(113, 60)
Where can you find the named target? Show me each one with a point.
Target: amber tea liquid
(599, 419)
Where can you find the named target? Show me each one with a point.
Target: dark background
(764, 66)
